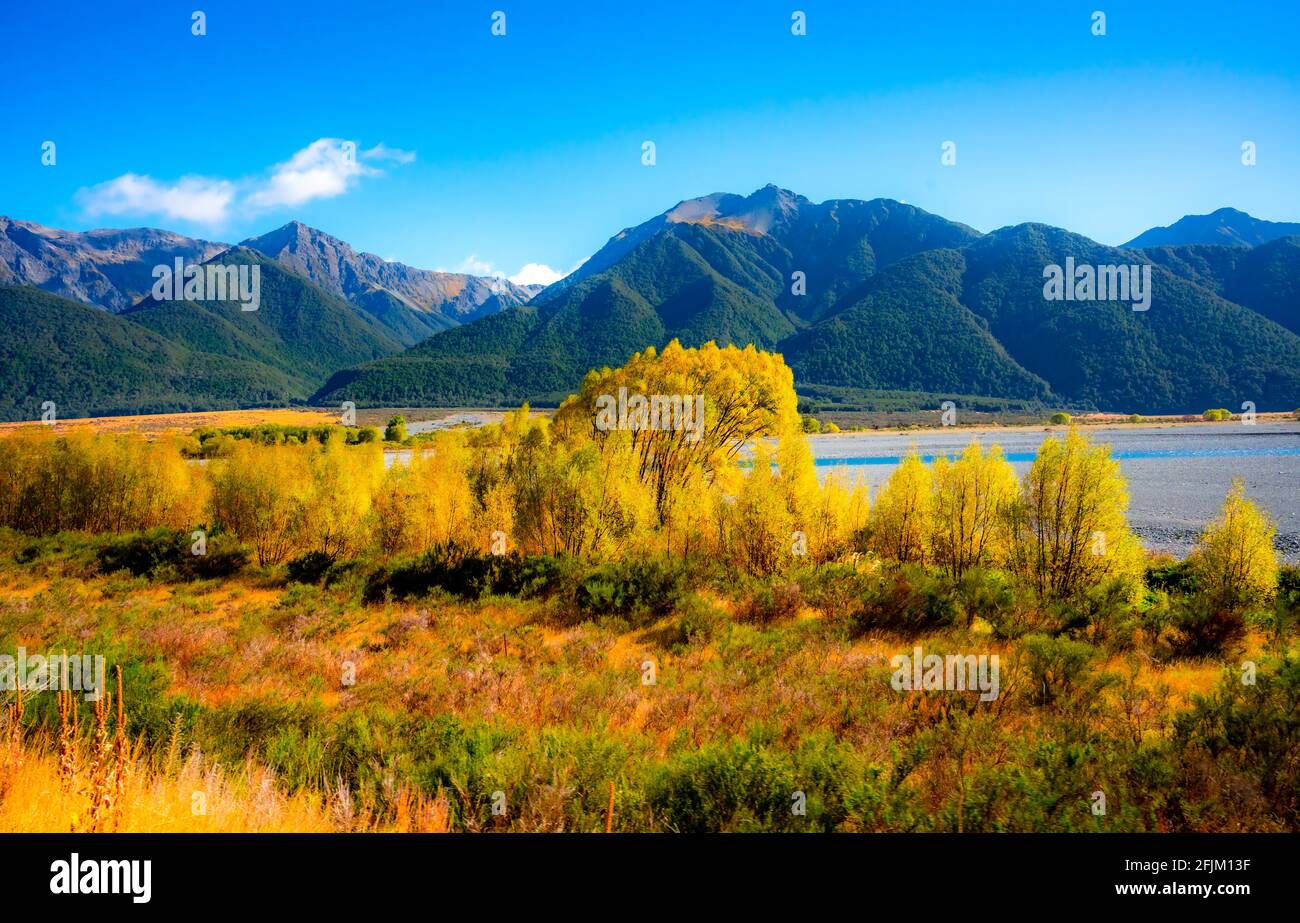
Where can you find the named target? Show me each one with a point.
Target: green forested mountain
(863, 297)
(1226, 226)
(907, 330)
(1265, 279)
(299, 329)
(895, 299)
(92, 363)
(1191, 349)
(719, 268)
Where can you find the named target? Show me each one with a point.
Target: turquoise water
(1030, 456)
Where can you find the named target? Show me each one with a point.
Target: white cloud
(192, 198)
(474, 267)
(322, 170)
(326, 168)
(382, 152)
(530, 274)
(536, 274)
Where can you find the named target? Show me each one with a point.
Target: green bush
(1173, 577)
(168, 553)
(1061, 418)
(395, 431)
(770, 600)
(1056, 666)
(1238, 755)
(718, 789)
(639, 591)
(1203, 630)
(909, 601)
(310, 567)
(836, 589)
(470, 574)
(986, 594)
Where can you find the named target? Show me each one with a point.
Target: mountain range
(863, 296)
(881, 296)
(112, 269)
(1225, 226)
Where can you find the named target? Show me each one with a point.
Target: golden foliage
(900, 523)
(1070, 529)
(1234, 559)
(972, 497)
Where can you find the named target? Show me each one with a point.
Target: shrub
(169, 553)
(1286, 604)
(716, 789)
(835, 589)
(310, 567)
(1056, 667)
(771, 600)
(699, 619)
(909, 601)
(1217, 414)
(395, 431)
(470, 574)
(1200, 629)
(1172, 577)
(1061, 418)
(1238, 755)
(640, 591)
(985, 594)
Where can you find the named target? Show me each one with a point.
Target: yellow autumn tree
(1234, 559)
(1069, 522)
(686, 412)
(429, 500)
(582, 501)
(95, 483)
(759, 528)
(972, 495)
(900, 520)
(337, 497)
(258, 494)
(833, 516)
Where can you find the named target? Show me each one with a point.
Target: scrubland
(554, 625)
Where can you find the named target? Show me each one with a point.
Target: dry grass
(158, 424)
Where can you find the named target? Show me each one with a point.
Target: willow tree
(972, 496)
(900, 522)
(1234, 559)
(686, 413)
(1069, 523)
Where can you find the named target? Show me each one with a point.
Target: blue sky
(484, 152)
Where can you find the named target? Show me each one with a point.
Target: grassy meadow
(551, 625)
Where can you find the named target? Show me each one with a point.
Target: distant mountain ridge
(106, 268)
(882, 296)
(869, 296)
(438, 299)
(1226, 226)
(113, 269)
